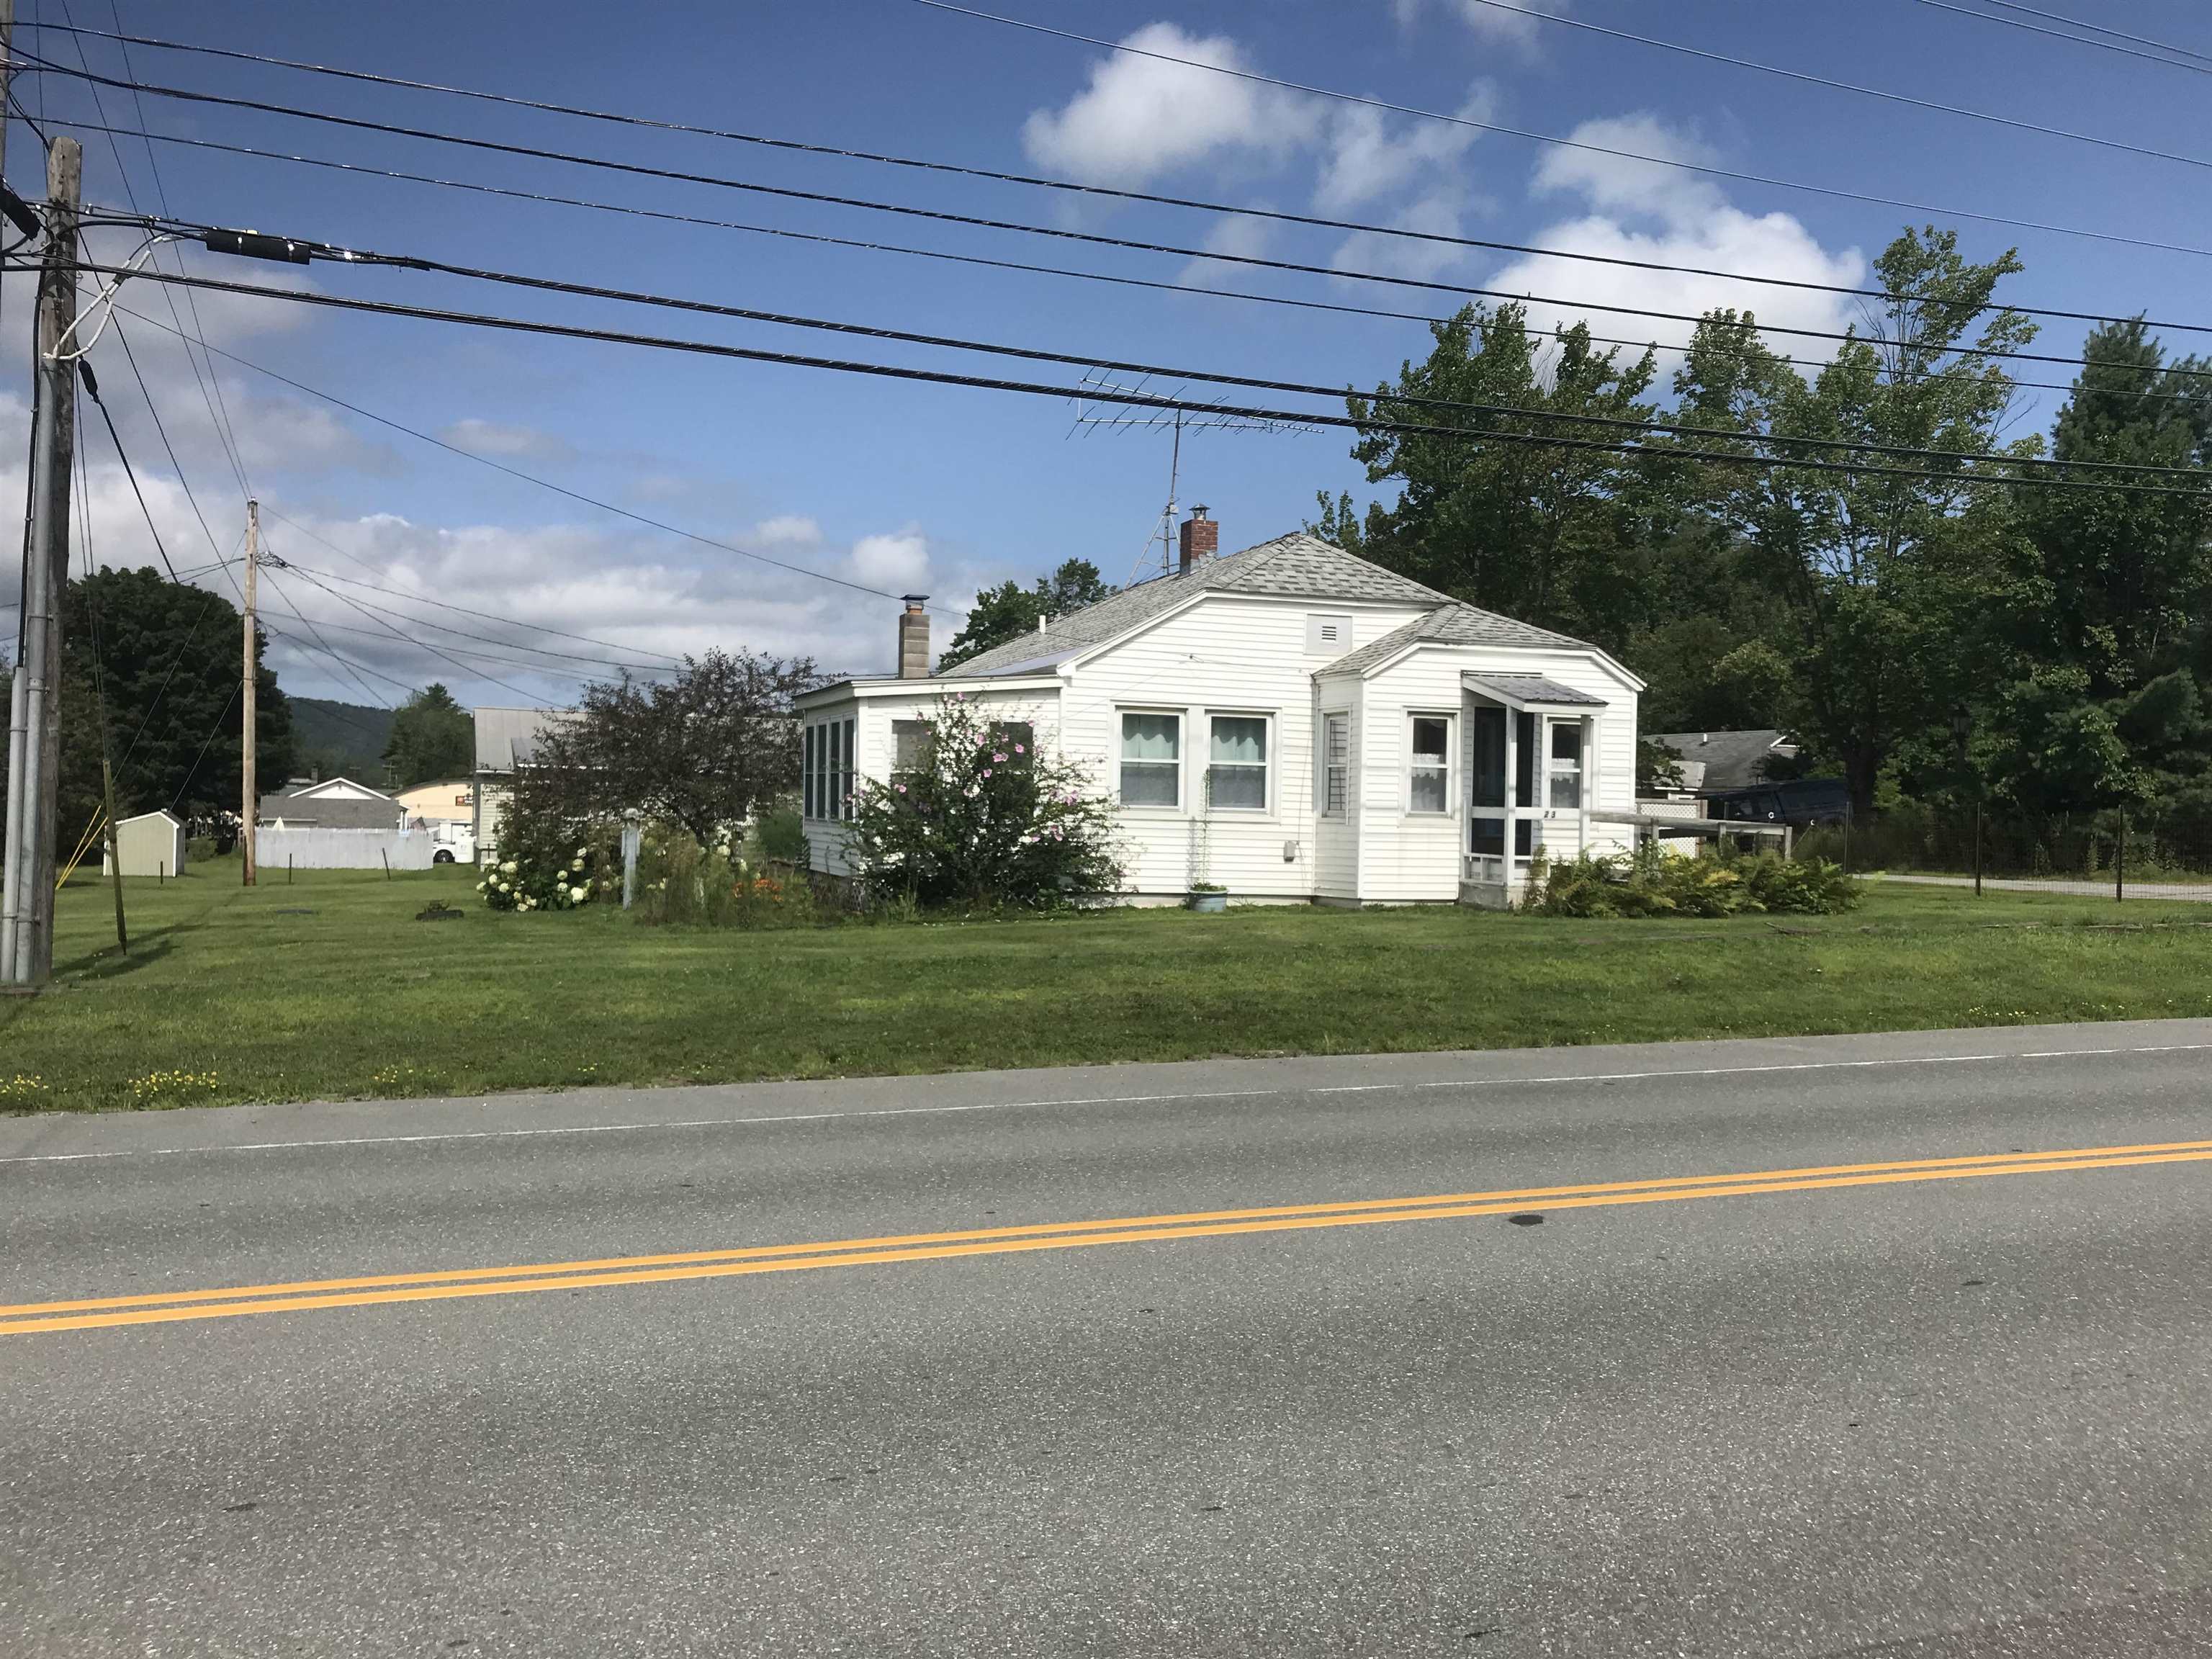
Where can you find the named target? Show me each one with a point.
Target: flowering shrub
(1654, 882)
(547, 860)
(984, 820)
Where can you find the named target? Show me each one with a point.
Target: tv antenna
(1158, 555)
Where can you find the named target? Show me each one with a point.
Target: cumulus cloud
(1638, 210)
(1510, 23)
(1239, 236)
(1142, 117)
(483, 437)
(898, 562)
(1439, 214)
(1370, 156)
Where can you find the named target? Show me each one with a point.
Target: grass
(330, 987)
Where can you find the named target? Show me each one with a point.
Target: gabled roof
(1733, 760)
(1452, 624)
(507, 738)
(1299, 566)
(339, 788)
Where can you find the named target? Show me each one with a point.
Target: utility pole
(27, 910)
(250, 691)
(18, 719)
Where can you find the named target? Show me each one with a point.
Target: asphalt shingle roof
(1298, 564)
(1732, 760)
(1451, 624)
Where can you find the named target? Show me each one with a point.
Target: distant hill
(346, 738)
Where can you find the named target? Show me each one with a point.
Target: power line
(1072, 187)
(669, 658)
(1568, 143)
(216, 412)
(938, 377)
(459, 652)
(1213, 377)
(2075, 40)
(946, 217)
(532, 479)
(487, 638)
(2098, 28)
(1805, 77)
(1025, 267)
(268, 570)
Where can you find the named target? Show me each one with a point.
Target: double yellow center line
(302, 1296)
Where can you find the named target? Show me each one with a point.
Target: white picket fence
(343, 849)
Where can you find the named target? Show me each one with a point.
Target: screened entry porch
(1531, 779)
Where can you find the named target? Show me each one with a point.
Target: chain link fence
(2146, 853)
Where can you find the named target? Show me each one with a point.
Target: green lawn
(330, 986)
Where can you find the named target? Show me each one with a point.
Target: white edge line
(1095, 1100)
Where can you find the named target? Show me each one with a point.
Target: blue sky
(899, 486)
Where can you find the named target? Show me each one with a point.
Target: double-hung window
(1335, 764)
(1563, 770)
(1152, 759)
(909, 748)
(1428, 782)
(1237, 765)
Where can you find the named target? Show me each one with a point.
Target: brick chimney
(1201, 540)
(914, 639)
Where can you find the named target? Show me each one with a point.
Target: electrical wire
(1249, 382)
(130, 472)
(268, 567)
(1018, 227)
(2083, 24)
(668, 658)
(1807, 78)
(1617, 152)
(1072, 186)
(1025, 267)
(938, 377)
(2075, 40)
(482, 656)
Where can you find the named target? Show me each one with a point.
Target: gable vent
(1328, 635)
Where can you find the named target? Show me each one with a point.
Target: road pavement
(1894, 1346)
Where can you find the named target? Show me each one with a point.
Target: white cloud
(1367, 158)
(1440, 213)
(1512, 23)
(1240, 236)
(899, 563)
(788, 529)
(1143, 117)
(1660, 215)
(483, 437)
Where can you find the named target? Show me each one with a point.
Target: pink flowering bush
(984, 821)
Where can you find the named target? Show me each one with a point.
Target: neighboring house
(151, 844)
(449, 800)
(333, 804)
(1728, 773)
(507, 738)
(1289, 722)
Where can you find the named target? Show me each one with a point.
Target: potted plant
(1208, 897)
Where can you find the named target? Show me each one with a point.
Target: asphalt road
(1923, 1408)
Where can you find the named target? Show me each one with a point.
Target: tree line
(1920, 635)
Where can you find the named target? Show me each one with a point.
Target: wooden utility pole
(249, 693)
(27, 907)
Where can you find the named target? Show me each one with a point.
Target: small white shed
(152, 844)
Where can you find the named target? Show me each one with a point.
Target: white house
(1289, 722)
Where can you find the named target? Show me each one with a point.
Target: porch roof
(1532, 691)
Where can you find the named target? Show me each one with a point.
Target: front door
(1486, 816)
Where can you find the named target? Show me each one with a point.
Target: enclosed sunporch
(1531, 779)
